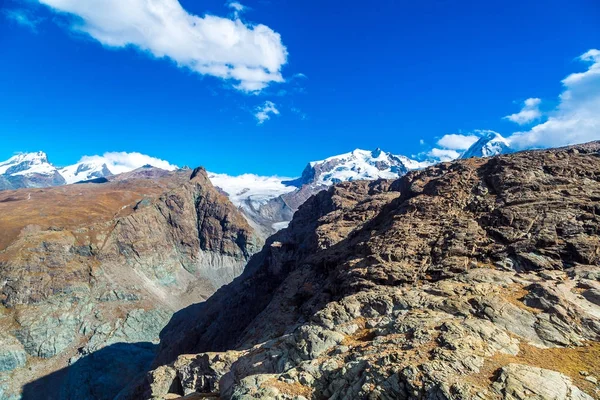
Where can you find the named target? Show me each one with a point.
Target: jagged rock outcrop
(91, 273)
(475, 279)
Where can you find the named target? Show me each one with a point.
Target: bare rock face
(475, 279)
(525, 382)
(91, 273)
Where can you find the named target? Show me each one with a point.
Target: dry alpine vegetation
(476, 279)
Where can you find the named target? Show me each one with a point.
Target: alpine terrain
(91, 273)
(474, 279)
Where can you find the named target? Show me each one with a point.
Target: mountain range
(268, 202)
(471, 279)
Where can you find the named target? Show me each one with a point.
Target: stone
(12, 354)
(522, 382)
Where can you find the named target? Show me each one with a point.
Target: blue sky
(342, 75)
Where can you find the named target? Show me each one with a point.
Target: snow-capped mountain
(27, 164)
(84, 171)
(33, 170)
(29, 170)
(490, 144)
(270, 202)
(356, 165)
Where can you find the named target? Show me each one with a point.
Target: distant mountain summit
(85, 171)
(27, 163)
(356, 165)
(29, 170)
(490, 144)
(33, 170)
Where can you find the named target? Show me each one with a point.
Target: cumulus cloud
(252, 56)
(22, 17)
(576, 119)
(121, 162)
(457, 141)
(443, 154)
(529, 113)
(265, 111)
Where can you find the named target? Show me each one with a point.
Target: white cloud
(250, 55)
(529, 113)
(120, 162)
(457, 142)
(22, 17)
(443, 154)
(577, 117)
(263, 112)
(237, 8)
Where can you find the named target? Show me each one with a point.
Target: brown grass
(515, 295)
(362, 335)
(290, 389)
(72, 206)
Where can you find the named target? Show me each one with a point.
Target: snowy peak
(356, 165)
(490, 144)
(33, 170)
(28, 170)
(27, 164)
(85, 171)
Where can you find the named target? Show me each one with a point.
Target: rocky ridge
(476, 279)
(91, 273)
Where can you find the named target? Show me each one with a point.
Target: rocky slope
(93, 272)
(476, 279)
